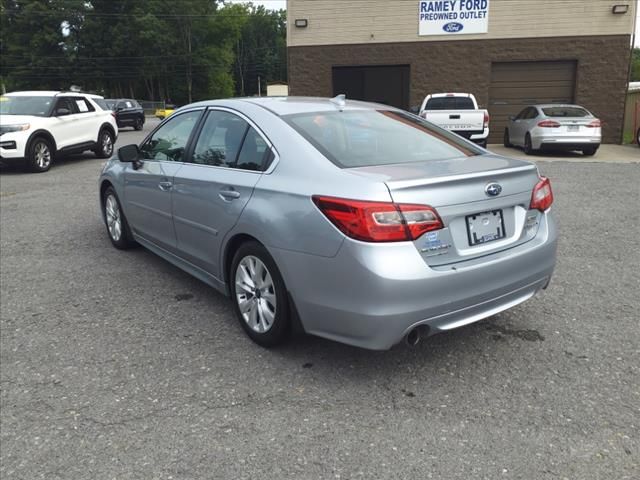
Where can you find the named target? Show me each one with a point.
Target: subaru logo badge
(493, 189)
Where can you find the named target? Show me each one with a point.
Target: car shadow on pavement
(204, 324)
(21, 169)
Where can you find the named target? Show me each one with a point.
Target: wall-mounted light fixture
(301, 23)
(620, 9)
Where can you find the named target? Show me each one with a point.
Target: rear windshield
(449, 103)
(565, 112)
(383, 137)
(23, 105)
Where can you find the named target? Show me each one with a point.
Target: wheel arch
(109, 127)
(38, 134)
(230, 249)
(104, 185)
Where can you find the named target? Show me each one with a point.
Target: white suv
(35, 127)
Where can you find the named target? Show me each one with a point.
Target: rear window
(450, 103)
(565, 112)
(378, 137)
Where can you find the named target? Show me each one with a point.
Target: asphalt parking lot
(116, 365)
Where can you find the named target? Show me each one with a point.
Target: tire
(589, 152)
(115, 221)
(139, 124)
(262, 312)
(40, 155)
(506, 141)
(104, 149)
(528, 148)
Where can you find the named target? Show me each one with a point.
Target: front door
(211, 190)
(148, 189)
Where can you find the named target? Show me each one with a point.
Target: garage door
(515, 85)
(381, 84)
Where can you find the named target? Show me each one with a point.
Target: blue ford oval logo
(493, 189)
(452, 27)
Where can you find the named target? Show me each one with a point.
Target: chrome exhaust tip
(413, 337)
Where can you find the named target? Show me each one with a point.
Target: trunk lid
(578, 126)
(475, 223)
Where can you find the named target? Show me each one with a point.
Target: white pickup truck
(458, 113)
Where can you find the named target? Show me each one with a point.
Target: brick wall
(465, 66)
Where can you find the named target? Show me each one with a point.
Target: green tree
(261, 49)
(32, 46)
(173, 50)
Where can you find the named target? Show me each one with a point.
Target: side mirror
(60, 112)
(512, 117)
(415, 109)
(129, 154)
(119, 108)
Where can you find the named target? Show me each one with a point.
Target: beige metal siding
(516, 85)
(334, 22)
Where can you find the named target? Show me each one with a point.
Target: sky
(277, 4)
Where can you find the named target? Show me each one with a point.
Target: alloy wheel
(255, 294)
(42, 155)
(114, 219)
(107, 144)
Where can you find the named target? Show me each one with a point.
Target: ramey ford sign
(453, 17)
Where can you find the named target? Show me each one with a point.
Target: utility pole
(259, 89)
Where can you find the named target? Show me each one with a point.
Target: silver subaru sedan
(554, 127)
(357, 222)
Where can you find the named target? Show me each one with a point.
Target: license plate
(485, 227)
(573, 128)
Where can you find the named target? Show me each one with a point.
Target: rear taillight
(548, 124)
(378, 221)
(595, 124)
(542, 196)
(486, 120)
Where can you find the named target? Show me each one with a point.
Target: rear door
(65, 125)
(148, 188)
(211, 190)
(87, 123)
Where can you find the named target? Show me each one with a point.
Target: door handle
(229, 194)
(165, 186)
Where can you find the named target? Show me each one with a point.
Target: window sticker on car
(82, 106)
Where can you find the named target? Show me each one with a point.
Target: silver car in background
(554, 127)
(359, 222)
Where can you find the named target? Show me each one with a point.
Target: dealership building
(508, 53)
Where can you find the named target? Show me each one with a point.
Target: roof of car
(50, 93)
(292, 105)
(549, 105)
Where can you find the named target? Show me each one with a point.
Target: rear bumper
(477, 136)
(565, 143)
(372, 295)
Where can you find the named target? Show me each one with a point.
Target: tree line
(176, 51)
